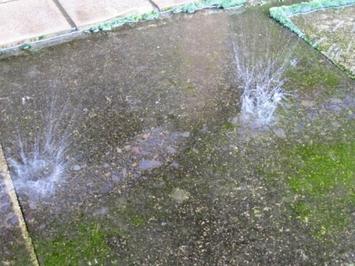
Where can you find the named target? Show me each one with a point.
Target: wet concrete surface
(14, 248)
(12, 243)
(158, 168)
(333, 32)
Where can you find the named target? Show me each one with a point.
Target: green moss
(25, 46)
(137, 220)
(193, 7)
(323, 178)
(87, 244)
(320, 176)
(118, 22)
(313, 77)
(324, 167)
(228, 126)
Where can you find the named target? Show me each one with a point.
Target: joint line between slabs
(65, 14)
(10, 190)
(154, 5)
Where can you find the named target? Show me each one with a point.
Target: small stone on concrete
(307, 103)
(76, 167)
(180, 195)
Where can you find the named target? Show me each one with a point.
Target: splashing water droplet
(38, 167)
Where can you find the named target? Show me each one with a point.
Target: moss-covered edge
(282, 15)
(135, 18)
(195, 6)
(185, 8)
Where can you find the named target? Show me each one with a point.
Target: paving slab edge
(10, 190)
(185, 8)
(282, 14)
(44, 41)
(206, 4)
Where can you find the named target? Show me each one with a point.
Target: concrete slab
(332, 31)
(165, 4)
(88, 12)
(28, 20)
(16, 247)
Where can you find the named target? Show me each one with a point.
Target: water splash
(261, 59)
(40, 163)
(263, 91)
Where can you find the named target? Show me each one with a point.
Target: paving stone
(88, 12)
(165, 4)
(332, 30)
(28, 20)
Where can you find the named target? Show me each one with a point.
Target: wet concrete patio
(333, 32)
(159, 170)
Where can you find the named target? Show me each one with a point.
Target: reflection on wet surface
(160, 170)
